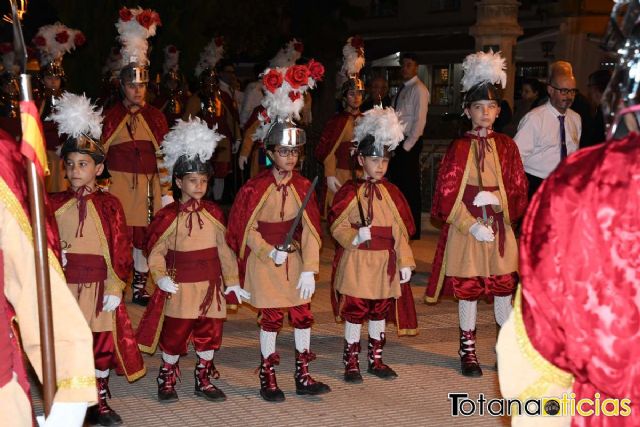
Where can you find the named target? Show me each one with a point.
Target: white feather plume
(381, 123)
(113, 64)
(52, 49)
(352, 58)
(483, 67)
(75, 115)
(188, 138)
(170, 59)
(133, 37)
(286, 56)
(210, 56)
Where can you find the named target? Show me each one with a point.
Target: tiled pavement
(427, 366)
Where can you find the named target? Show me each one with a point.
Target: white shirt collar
(411, 81)
(554, 111)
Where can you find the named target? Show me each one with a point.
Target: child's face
(81, 170)
(483, 113)
(374, 167)
(285, 158)
(193, 186)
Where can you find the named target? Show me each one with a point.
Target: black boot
(167, 377)
(269, 389)
(102, 414)
(351, 362)
(469, 365)
(139, 285)
(376, 366)
(205, 370)
(305, 384)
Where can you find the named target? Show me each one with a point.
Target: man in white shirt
(411, 103)
(550, 132)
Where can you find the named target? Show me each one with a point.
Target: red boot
(469, 365)
(102, 414)
(167, 377)
(205, 370)
(269, 389)
(351, 362)
(305, 384)
(376, 365)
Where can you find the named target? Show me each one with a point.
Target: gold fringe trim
(154, 345)
(135, 375)
(76, 382)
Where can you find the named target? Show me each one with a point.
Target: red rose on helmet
(294, 95)
(156, 18)
(146, 18)
(39, 41)
(62, 37)
(79, 39)
(357, 42)
(272, 80)
(219, 41)
(316, 70)
(125, 14)
(299, 47)
(297, 75)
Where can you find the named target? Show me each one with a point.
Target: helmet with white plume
(52, 42)
(377, 132)
(482, 72)
(134, 27)
(287, 55)
(209, 58)
(352, 63)
(81, 122)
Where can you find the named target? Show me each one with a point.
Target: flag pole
(38, 225)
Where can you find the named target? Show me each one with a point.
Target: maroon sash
(274, 232)
(137, 157)
(82, 269)
(381, 240)
(470, 193)
(198, 266)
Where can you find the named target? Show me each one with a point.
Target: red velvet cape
(119, 241)
(403, 311)
(580, 270)
(152, 116)
(151, 322)
(448, 186)
(245, 204)
(330, 134)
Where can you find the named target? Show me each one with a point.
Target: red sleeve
(330, 135)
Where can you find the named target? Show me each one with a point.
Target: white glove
(306, 284)
(63, 258)
(278, 257)
(64, 414)
(482, 233)
(110, 302)
(166, 200)
(333, 184)
(236, 146)
(364, 234)
(167, 284)
(405, 274)
(485, 198)
(239, 293)
(242, 162)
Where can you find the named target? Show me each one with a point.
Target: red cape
(245, 204)
(155, 120)
(253, 118)
(403, 312)
(448, 186)
(119, 240)
(330, 135)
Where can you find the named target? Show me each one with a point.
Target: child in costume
(96, 249)
(280, 278)
(191, 263)
(372, 222)
(481, 190)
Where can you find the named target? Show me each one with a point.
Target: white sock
(205, 355)
(502, 309)
(218, 188)
(468, 312)
(140, 261)
(302, 339)
(376, 328)
(352, 332)
(267, 343)
(170, 358)
(102, 374)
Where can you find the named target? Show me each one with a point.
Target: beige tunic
(185, 303)
(466, 256)
(72, 337)
(274, 286)
(331, 162)
(363, 273)
(91, 243)
(132, 195)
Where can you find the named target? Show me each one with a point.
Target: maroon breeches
(271, 319)
(204, 332)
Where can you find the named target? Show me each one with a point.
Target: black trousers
(404, 172)
(534, 184)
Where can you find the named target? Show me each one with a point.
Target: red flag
(32, 145)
